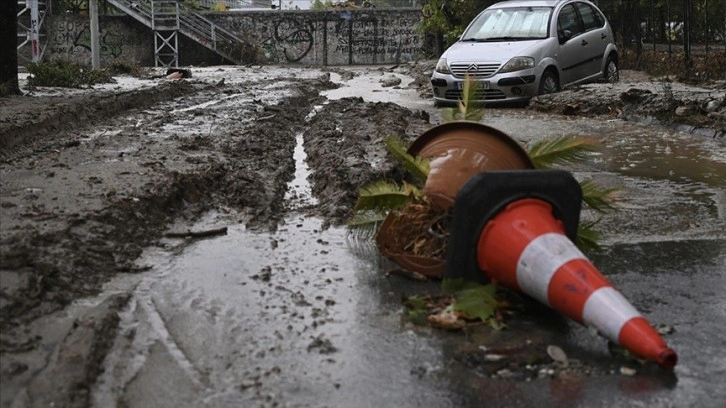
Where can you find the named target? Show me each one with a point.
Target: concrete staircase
(168, 18)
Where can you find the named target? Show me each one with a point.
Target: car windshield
(509, 24)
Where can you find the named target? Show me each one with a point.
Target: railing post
(214, 36)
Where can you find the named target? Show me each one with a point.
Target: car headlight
(442, 67)
(518, 64)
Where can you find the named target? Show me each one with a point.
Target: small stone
(557, 354)
(494, 357)
(627, 371)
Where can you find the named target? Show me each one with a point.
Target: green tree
(446, 20)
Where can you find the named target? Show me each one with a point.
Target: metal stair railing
(191, 24)
(165, 24)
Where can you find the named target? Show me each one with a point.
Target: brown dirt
(642, 98)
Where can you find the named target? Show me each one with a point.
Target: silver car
(516, 50)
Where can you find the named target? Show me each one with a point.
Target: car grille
(475, 70)
(479, 95)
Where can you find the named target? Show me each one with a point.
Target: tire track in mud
(21, 132)
(244, 164)
(157, 166)
(135, 174)
(345, 149)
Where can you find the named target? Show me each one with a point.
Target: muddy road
(180, 243)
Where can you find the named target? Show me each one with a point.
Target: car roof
(528, 3)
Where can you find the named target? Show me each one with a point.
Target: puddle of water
(298, 193)
(373, 91)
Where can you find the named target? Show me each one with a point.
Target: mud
(90, 179)
(644, 99)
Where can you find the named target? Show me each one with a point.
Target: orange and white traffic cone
(520, 240)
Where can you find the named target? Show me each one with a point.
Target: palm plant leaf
(383, 196)
(418, 167)
(466, 108)
(598, 198)
(364, 224)
(587, 237)
(562, 150)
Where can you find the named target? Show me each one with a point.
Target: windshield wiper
(505, 38)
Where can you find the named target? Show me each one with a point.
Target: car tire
(611, 74)
(548, 83)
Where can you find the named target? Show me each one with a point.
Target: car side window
(567, 20)
(590, 17)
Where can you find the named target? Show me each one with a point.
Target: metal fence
(689, 31)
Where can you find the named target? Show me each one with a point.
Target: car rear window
(590, 17)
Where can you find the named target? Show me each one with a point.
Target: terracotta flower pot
(458, 150)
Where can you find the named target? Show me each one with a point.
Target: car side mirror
(564, 36)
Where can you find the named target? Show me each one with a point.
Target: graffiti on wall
(332, 38)
(390, 38)
(111, 44)
(294, 37)
(69, 37)
(341, 37)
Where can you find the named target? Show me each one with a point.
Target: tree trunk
(8, 47)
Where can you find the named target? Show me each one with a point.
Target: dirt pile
(640, 98)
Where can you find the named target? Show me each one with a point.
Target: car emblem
(473, 68)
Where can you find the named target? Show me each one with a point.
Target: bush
(66, 74)
(120, 67)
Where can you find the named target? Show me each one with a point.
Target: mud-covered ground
(91, 178)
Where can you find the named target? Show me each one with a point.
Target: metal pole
(34, 30)
(95, 48)
(705, 22)
(670, 27)
(652, 23)
(687, 36)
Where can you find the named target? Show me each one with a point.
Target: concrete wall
(122, 38)
(340, 37)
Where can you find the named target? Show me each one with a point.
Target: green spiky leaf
(385, 196)
(364, 224)
(473, 298)
(417, 166)
(562, 150)
(598, 198)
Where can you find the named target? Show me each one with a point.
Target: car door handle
(603, 36)
(583, 42)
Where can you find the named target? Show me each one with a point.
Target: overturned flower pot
(457, 151)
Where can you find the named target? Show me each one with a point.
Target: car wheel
(611, 70)
(549, 83)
